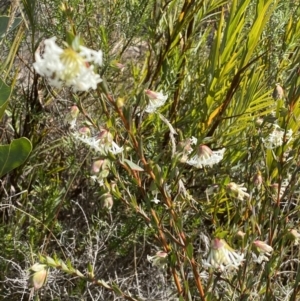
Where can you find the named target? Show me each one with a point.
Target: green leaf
(4, 97)
(14, 154)
(4, 23)
(189, 251)
(133, 166)
(116, 289)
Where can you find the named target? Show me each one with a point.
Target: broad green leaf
(4, 24)
(14, 154)
(4, 97)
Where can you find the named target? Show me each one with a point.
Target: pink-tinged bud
(38, 276)
(159, 259)
(204, 152)
(85, 131)
(151, 94)
(105, 136)
(241, 234)
(257, 179)
(117, 65)
(262, 246)
(107, 200)
(96, 166)
(74, 111)
(217, 243)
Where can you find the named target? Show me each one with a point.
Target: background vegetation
(218, 63)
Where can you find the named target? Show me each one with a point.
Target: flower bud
(85, 131)
(295, 236)
(159, 259)
(117, 65)
(107, 200)
(120, 102)
(262, 247)
(278, 92)
(257, 179)
(204, 152)
(38, 276)
(96, 166)
(241, 234)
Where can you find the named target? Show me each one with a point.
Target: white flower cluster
(68, 67)
(206, 157)
(100, 145)
(275, 138)
(222, 256)
(237, 191)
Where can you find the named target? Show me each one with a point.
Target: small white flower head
(69, 66)
(160, 259)
(264, 251)
(237, 191)
(222, 256)
(71, 117)
(275, 138)
(210, 190)
(206, 157)
(155, 200)
(295, 235)
(102, 143)
(156, 100)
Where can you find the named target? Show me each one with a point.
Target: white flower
(68, 67)
(156, 100)
(155, 200)
(222, 256)
(275, 138)
(193, 140)
(101, 143)
(206, 157)
(237, 191)
(159, 259)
